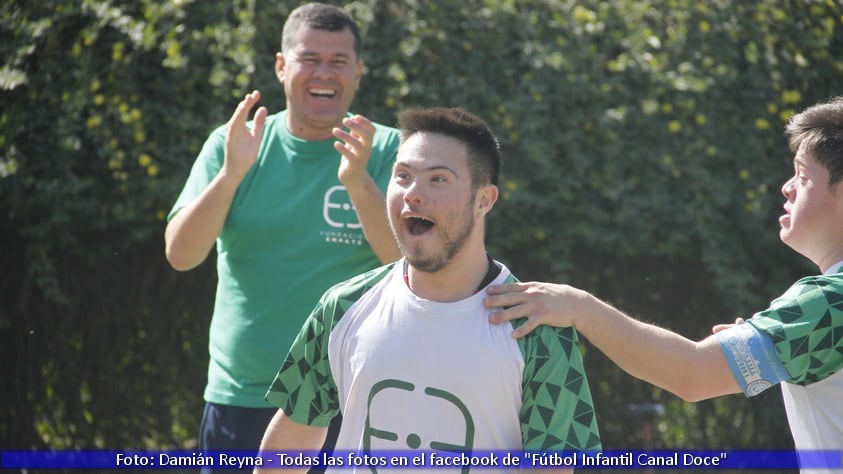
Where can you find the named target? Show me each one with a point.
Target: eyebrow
(427, 169)
(333, 55)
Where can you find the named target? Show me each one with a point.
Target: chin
(426, 265)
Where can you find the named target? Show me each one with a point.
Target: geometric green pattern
(806, 326)
(304, 387)
(555, 392)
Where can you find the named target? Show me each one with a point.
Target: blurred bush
(643, 160)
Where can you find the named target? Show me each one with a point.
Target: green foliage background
(643, 158)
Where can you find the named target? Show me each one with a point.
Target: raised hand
(355, 146)
(241, 142)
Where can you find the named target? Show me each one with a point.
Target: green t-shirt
(291, 233)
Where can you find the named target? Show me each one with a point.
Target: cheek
(394, 200)
(806, 209)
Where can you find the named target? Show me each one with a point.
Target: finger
(360, 124)
(720, 327)
(358, 135)
(241, 113)
(525, 328)
(506, 288)
(260, 119)
(506, 300)
(346, 137)
(345, 150)
(508, 314)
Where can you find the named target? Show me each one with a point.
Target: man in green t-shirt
(294, 203)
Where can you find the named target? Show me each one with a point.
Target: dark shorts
(230, 428)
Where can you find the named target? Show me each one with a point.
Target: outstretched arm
(191, 233)
(692, 370)
(284, 434)
(355, 146)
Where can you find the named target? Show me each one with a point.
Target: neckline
(493, 271)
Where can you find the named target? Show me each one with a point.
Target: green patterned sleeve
(557, 412)
(304, 387)
(805, 325)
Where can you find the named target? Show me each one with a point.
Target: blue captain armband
(752, 358)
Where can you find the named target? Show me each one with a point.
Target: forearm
(371, 210)
(191, 233)
(691, 370)
(284, 434)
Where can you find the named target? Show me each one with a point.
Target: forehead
(806, 160)
(427, 150)
(308, 40)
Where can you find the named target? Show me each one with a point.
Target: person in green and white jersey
(406, 352)
(797, 342)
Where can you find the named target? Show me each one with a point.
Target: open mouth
(322, 93)
(418, 225)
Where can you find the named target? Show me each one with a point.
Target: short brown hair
(484, 155)
(319, 16)
(818, 130)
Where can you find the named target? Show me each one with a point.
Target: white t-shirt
(413, 375)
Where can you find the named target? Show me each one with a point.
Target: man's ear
(361, 67)
(279, 67)
(487, 196)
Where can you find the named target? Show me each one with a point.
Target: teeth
(329, 92)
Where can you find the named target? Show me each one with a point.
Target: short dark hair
(484, 155)
(818, 130)
(319, 16)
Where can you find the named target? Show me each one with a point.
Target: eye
(439, 179)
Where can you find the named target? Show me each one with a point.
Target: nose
(413, 193)
(322, 69)
(787, 187)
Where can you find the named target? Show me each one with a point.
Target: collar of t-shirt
(836, 268)
(492, 273)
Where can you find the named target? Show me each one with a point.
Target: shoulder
(804, 324)
(810, 298)
(821, 283)
(352, 289)
(385, 129)
(547, 339)
(386, 134)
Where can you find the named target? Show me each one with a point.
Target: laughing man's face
(321, 74)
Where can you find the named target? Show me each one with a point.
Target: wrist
(583, 302)
(357, 183)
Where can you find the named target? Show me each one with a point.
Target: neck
(830, 263)
(458, 280)
(829, 258)
(313, 133)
